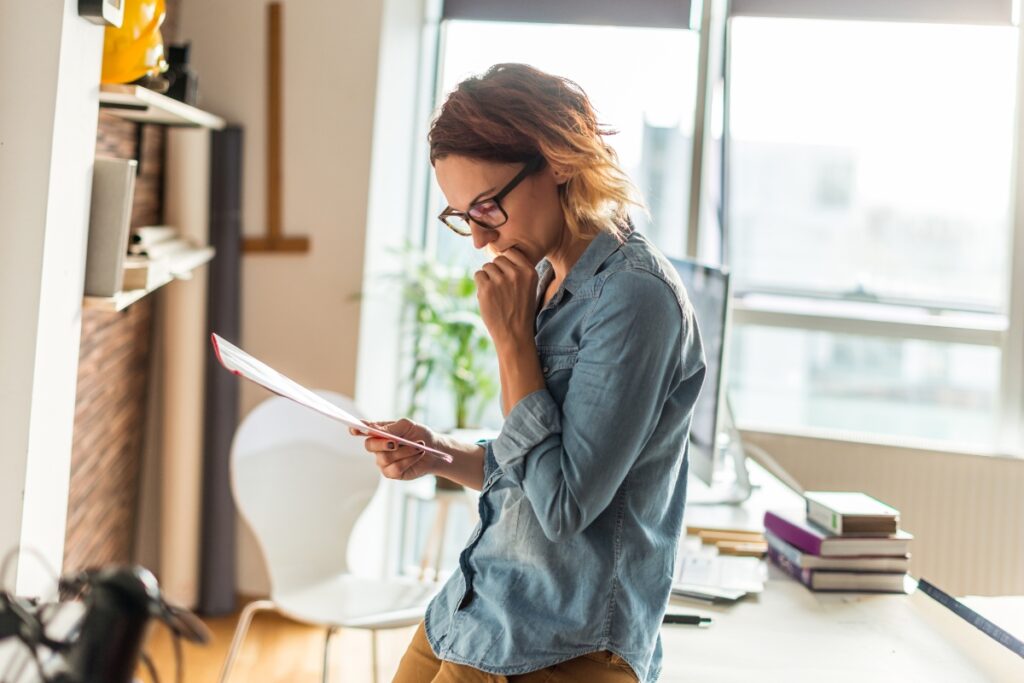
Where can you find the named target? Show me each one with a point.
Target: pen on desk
(686, 619)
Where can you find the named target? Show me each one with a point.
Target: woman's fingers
(518, 258)
(378, 445)
(512, 263)
(493, 271)
(398, 465)
(394, 459)
(402, 428)
(387, 458)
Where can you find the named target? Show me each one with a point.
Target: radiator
(966, 511)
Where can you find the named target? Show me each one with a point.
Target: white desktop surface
(789, 633)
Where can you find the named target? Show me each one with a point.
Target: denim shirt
(582, 502)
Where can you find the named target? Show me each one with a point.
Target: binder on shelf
(113, 187)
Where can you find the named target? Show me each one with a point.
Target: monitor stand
(730, 482)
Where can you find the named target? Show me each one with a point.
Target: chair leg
(373, 650)
(443, 511)
(432, 541)
(327, 651)
(244, 621)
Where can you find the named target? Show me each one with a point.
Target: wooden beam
(274, 239)
(294, 245)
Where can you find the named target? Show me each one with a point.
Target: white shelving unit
(141, 105)
(135, 103)
(181, 267)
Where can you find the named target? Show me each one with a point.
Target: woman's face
(535, 224)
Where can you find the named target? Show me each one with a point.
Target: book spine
(784, 549)
(792, 534)
(824, 517)
(783, 562)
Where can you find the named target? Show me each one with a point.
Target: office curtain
(653, 13)
(937, 11)
(676, 14)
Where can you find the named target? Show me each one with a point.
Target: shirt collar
(603, 245)
(597, 252)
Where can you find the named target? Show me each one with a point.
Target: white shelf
(135, 103)
(181, 267)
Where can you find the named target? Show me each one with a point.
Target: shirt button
(546, 370)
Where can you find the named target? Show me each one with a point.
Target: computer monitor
(713, 437)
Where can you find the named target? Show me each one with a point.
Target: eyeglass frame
(532, 166)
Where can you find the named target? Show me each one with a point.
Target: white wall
(298, 311)
(48, 115)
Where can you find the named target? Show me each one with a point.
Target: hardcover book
(812, 539)
(860, 563)
(815, 579)
(848, 512)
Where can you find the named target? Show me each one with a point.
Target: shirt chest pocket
(556, 363)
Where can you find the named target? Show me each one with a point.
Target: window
(642, 82)
(869, 170)
(866, 185)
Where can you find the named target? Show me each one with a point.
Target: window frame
(1003, 331)
(706, 231)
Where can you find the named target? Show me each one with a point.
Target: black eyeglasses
(487, 213)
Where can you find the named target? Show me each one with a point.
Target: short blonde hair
(513, 113)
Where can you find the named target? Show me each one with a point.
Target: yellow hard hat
(137, 48)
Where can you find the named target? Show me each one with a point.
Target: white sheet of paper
(242, 364)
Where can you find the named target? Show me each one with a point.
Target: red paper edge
(216, 348)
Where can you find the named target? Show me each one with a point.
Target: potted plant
(451, 348)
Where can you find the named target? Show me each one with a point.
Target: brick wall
(113, 369)
(113, 373)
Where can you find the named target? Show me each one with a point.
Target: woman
(567, 576)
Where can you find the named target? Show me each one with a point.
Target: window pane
(641, 81)
(791, 378)
(871, 160)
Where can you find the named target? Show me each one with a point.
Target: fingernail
(391, 445)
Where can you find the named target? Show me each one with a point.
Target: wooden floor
(278, 650)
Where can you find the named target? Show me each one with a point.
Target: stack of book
(843, 541)
(149, 256)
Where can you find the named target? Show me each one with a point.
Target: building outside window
(869, 216)
(868, 199)
(641, 81)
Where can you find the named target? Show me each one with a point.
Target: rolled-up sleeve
(491, 468)
(570, 460)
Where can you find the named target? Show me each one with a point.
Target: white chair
(301, 481)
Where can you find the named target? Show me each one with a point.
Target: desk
(789, 633)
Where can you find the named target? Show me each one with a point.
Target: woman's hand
(506, 289)
(396, 460)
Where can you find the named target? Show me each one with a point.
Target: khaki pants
(419, 665)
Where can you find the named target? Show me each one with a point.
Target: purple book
(794, 528)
